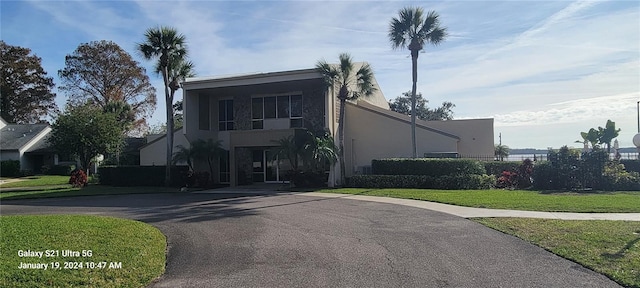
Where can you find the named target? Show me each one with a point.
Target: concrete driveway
(288, 240)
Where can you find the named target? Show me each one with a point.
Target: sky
(543, 70)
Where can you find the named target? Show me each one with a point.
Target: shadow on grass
(624, 249)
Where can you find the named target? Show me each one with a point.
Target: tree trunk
(341, 140)
(414, 74)
(169, 110)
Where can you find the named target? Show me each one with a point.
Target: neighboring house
(154, 153)
(249, 113)
(26, 143)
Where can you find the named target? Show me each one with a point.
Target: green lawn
(621, 202)
(40, 180)
(31, 192)
(608, 247)
(139, 248)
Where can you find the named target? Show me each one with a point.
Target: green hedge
(425, 166)
(631, 165)
(448, 182)
(141, 175)
(496, 167)
(10, 168)
(62, 170)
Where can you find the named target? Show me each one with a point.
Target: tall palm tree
(169, 47)
(351, 84)
(412, 31)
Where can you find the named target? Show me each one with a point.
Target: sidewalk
(470, 212)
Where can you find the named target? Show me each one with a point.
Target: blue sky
(544, 70)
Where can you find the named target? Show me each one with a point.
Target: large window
(225, 115)
(277, 107)
(203, 112)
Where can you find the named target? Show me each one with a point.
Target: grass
(619, 202)
(611, 248)
(91, 190)
(139, 247)
(41, 180)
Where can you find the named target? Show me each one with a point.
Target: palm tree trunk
(169, 111)
(341, 140)
(414, 72)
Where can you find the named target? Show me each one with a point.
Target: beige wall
(155, 153)
(374, 133)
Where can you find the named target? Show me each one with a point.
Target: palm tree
(169, 47)
(320, 151)
(351, 85)
(412, 31)
(184, 154)
(501, 152)
(209, 150)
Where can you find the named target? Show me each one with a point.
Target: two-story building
(249, 113)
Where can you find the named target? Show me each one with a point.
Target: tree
(209, 150)
(25, 89)
(85, 131)
(402, 104)
(351, 84)
(608, 133)
(184, 154)
(501, 152)
(167, 46)
(592, 137)
(100, 72)
(411, 30)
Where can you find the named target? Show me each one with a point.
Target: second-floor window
(277, 107)
(225, 115)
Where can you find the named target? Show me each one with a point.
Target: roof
(163, 136)
(250, 79)
(16, 136)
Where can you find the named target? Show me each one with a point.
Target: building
(26, 143)
(249, 113)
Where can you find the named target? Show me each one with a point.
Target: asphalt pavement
(302, 240)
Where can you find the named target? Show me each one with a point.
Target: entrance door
(267, 169)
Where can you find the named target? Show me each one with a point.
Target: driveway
(288, 240)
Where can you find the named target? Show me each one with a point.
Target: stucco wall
(155, 153)
(373, 133)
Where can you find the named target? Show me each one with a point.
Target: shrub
(497, 167)
(10, 168)
(449, 182)
(631, 165)
(62, 170)
(140, 175)
(308, 179)
(508, 179)
(78, 178)
(425, 166)
(616, 178)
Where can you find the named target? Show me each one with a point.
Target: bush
(497, 167)
(448, 182)
(10, 168)
(140, 175)
(78, 178)
(62, 170)
(616, 178)
(631, 165)
(424, 166)
(309, 179)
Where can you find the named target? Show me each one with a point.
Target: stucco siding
(476, 135)
(370, 135)
(155, 153)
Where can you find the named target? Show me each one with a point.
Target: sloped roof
(16, 136)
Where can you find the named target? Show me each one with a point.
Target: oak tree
(102, 73)
(25, 89)
(402, 104)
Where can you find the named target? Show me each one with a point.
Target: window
(224, 168)
(203, 112)
(225, 115)
(277, 107)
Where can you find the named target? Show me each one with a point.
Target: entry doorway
(269, 169)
